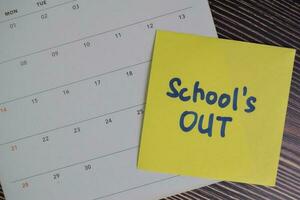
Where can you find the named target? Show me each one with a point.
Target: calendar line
(37, 11)
(95, 35)
(133, 188)
(75, 164)
(72, 124)
(74, 82)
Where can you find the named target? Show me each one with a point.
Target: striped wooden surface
(275, 22)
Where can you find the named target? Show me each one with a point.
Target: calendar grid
(74, 82)
(95, 35)
(74, 164)
(72, 124)
(37, 11)
(133, 188)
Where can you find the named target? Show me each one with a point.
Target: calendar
(73, 78)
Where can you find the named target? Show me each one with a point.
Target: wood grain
(274, 22)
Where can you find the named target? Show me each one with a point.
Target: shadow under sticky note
(215, 108)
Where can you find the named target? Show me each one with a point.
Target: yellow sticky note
(215, 108)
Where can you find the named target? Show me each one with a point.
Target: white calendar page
(73, 77)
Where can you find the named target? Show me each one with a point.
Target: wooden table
(274, 22)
